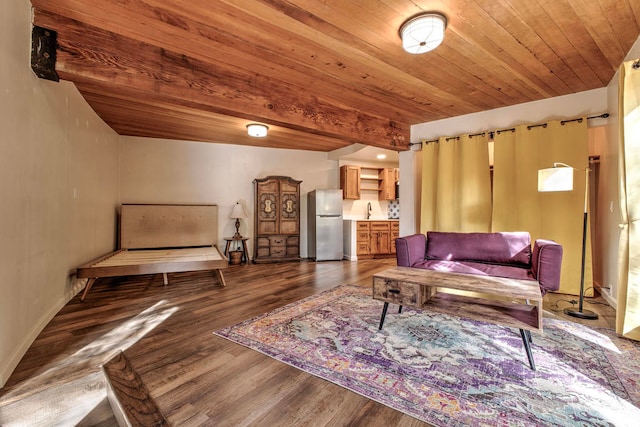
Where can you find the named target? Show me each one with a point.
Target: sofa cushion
(499, 248)
(481, 269)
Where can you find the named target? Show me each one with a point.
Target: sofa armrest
(546, 263)
(410, 249)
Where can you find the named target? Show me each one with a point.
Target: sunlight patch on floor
(65, 393)
(619, 411)
(587, 334)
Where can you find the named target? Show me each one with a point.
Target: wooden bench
(129, 397)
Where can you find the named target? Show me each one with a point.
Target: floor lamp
(560, 178)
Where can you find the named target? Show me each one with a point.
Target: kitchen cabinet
(362, 238)
(380, 234)
(357, 179)
(277, 219)
(350, 182)
(395, 233)
(388, 178)
(375, 239)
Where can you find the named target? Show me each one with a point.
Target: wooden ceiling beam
(87, 53)
(134, 114)
(235, 35)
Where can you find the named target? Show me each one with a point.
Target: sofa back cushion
(499, 248)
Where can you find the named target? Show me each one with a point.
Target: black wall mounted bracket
(43, 53)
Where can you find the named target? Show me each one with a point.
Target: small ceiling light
(257, 130)
(423, 32)
(381, 156)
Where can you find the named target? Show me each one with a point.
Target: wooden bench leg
(526, 337)
(128, 396)
(165, 279)
(88, 286)
(221, 277)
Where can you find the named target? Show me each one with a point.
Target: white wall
(58, 189)
(410, 191)
(588, 103)
(167, 171)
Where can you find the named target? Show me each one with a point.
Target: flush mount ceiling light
(257, 130)
(423, 32)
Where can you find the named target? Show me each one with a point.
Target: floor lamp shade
(555, 179)
(560, 178)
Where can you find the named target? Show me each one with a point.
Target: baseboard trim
(606, 294)
(18, 354)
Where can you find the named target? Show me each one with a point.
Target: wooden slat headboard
(168, 226)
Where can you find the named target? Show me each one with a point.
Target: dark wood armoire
(277, 201)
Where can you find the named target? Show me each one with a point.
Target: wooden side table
(241, 246)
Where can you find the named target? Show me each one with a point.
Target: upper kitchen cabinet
(350, 182)
(356, 179)
(388, 178)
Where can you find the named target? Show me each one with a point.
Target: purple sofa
(491, 254)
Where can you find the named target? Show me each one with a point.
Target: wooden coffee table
(519, 306)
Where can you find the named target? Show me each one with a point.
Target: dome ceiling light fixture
(423, 32)
(257, 130)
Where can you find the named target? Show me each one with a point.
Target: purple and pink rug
(450, 371)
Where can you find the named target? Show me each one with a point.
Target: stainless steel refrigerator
(324, 222)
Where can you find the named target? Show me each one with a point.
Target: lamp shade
(257, 130)
(238, 212)
(555, 179)
(423, 33)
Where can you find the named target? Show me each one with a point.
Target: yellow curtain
(628, 312)
(506, 210)
(429, 186)
(456, 187)
(517, 204)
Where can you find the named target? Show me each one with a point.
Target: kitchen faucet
(368, 210)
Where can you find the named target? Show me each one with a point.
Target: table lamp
(237, 213)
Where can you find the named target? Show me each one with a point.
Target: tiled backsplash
(394, 209)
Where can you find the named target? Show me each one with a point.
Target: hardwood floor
(195, 377)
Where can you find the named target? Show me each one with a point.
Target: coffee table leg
(526, 336)
(384, 313)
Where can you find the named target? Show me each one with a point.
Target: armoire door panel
(267, 227)
(288, 227)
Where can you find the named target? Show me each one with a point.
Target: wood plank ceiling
(325, 74)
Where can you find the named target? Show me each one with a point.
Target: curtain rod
(544, 125)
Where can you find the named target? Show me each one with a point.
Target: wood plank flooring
(196, 378)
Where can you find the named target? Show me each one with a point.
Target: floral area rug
(449, 371)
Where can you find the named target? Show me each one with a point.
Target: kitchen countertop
(373, 218)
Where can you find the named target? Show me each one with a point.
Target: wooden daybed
(161, 239)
